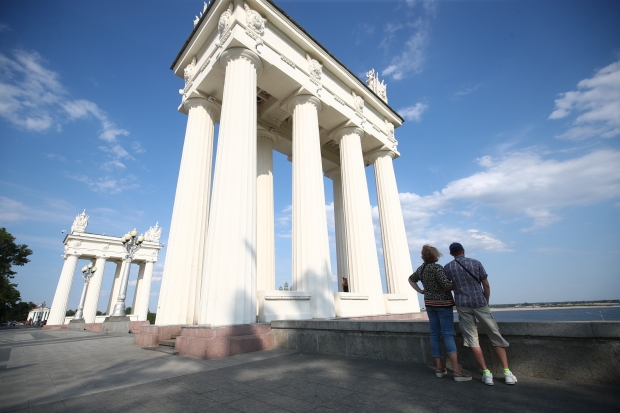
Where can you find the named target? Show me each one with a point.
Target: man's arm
(486, 289)
(449, 288)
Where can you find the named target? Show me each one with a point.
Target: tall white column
(116, 286)
(94, 289)
(396, 257)
(311, 262)
(139, 284)
(61, 298)
(143, 294)
(341, 240)
(229, 274)
(179, 295)
(363, 264)
(265, 241)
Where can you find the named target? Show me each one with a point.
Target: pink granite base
(55, 327)
(219, 342)
(149, 335)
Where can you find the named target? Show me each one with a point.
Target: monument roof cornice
(291, 28)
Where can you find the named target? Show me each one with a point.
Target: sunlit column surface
(116, 285)
(61, 298)
(139, 285)
(265, 242)
(181, 283)
(311, 261)
(143, 295)
(229, 274)
(396, 257)
(362, 261)
(94, 290)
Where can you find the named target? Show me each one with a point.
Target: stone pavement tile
(218, 409)
(82, 404)
(10, 402)
(223, 396)
(286, 402)
(250, 405)
(323, 409)
(53, 407)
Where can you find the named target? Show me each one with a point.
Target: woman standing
(439, 304)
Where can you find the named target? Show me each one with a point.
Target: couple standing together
(468, 279)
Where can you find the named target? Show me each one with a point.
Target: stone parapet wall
(573, 351)
(149, 335)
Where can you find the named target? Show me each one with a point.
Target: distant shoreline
(554, 308)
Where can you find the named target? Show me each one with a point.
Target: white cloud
(413, 55)
(107, 184)
(4, 27)
(596, 105)
(466, 90)
(48, 210)
(413, 113)
(33, 98)
(523, 184)
(55, 157)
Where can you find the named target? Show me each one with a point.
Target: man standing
(472, 292)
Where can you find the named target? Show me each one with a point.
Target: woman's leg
(435, 324)
(446, 319)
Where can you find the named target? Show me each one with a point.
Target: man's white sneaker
(487, 379)
(510, 378)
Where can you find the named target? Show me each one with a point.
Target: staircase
(166, 346)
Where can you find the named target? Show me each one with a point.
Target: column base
(283, 305)
(77, 325)
(116, 324)
(400, 304)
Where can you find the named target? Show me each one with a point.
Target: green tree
(70, 313)
(128, 310)
(150, 317)
(10, 254)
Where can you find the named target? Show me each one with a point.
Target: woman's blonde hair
(430, 254)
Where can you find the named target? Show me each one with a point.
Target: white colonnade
(305, 105)
(100, 250)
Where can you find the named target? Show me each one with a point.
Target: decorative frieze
(315, 69)
(358, 103)
(288, 61)
(337, 99)
(380, 88)
(188, 75)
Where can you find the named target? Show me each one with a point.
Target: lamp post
(87, 273)
(131, 243)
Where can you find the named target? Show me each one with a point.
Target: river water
(558, 314)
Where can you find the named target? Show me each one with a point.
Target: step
(162, 349)
(175, 336)
(167, 343)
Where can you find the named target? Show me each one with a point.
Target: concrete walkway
(66, 371)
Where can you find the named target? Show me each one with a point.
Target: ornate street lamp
(87, 273)
(132, 244)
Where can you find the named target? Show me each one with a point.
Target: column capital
(208, 103)
(372, 157)
(348, 130)
(334, 173)
(301, 99)
(262, 133)
(235, 53)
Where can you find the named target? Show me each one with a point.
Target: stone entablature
(293, 62)
(93, 246)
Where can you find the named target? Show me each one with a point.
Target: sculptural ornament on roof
(80, 223)
(254, 20)
(153, 234)
(380, 88)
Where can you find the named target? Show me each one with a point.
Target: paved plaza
(69, 371)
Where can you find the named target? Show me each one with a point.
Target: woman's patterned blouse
(434, 280)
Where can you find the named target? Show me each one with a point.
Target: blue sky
(510, 144)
